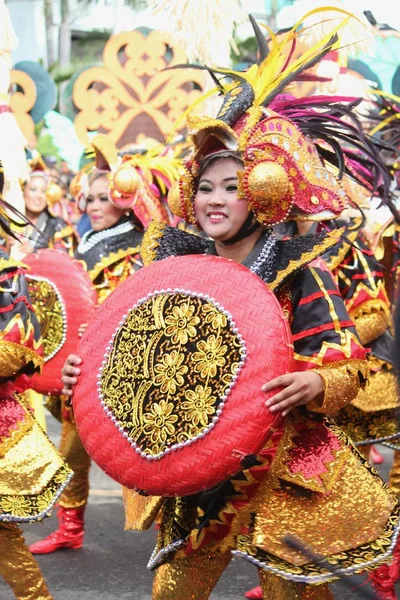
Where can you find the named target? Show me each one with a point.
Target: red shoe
(383, 583)
(394, 568)
(375, 456)
(68, 535)
(255, 593)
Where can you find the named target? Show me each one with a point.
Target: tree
(49, 20)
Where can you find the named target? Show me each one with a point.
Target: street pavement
(112, 563)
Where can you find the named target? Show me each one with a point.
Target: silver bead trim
(63, 312)
(387, 444)
(323, 577)
(242, 351)
(157, 556)
(387, 438)
(264, 255)
(85, 244)
(8, 518)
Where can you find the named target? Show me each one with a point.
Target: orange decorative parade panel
(132, 93)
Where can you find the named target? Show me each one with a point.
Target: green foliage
(247, 51)
(39, 128)
(136, 4)
(46, 146)
(60, 74)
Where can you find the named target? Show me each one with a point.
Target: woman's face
(101, 212)
(35, 195)
(219, 211)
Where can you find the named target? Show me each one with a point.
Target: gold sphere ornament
(181, 197)
(174, 200)
(127, 180)
(268, 182)
(54, 193)
(269, 192)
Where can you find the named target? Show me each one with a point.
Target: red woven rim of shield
(73, 288)
(240, 428)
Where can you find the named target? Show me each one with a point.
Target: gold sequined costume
(18, 567)
(185, 579)
(32, 473)
(373, 416)
(309, 480)
(287, 489)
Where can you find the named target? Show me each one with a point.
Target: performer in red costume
(32, 473)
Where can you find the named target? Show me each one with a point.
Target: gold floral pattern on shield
(171, 366)
(50, 313)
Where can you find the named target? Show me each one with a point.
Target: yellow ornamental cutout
(132, 93)
(23, 100)
(169, 370)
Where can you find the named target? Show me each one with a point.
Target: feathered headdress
(296, 152)
(386, 118)
(139, 177)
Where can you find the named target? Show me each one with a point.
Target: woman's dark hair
(97, 174)
(212, 159)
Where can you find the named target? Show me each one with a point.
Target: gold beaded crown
(296, 152)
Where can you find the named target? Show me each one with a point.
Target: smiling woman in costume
(120, 193)
(40, 195)
(250, 169)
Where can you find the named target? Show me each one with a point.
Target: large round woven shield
(63, 298)
(169, 399)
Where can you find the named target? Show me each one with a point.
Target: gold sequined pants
(72, 450)
(195, 576)
(18, 567)
(394, 478)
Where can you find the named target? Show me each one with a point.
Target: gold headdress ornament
(139, 176)
(285, 143)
